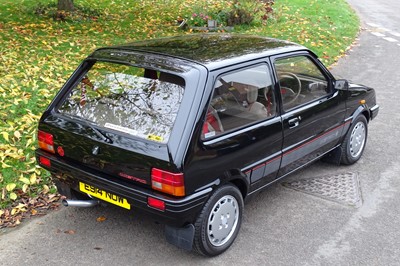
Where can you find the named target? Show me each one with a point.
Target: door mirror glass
(341, 84)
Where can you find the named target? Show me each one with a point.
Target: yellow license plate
(104, 195)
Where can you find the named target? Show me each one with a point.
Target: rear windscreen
(137, 101)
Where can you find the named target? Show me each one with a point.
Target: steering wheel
(289, 92)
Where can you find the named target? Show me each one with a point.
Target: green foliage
(326, 27)
(37, 55)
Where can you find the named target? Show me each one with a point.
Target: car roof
(213, 50)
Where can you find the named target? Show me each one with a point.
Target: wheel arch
(366, 114)
(241, 185)
(239, 179)
(361, 110)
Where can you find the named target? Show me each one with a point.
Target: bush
(232, 13)
(239, 16)
(81, 13)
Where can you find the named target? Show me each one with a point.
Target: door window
(240, 98)
(300, 80)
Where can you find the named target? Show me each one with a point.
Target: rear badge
(134, 178)
(95, 150)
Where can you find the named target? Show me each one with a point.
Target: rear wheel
(219, 222)
(354, 143)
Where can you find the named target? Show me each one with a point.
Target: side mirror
(341, 84)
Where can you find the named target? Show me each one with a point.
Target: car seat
(254, 107)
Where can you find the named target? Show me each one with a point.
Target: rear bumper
(374, 111)
(178, 211)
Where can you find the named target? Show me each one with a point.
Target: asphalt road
(281, 226)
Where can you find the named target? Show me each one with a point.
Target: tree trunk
(66, 5)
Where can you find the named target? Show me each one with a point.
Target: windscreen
(137, 101)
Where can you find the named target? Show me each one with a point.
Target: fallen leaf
(5, 135)
(70, 232)
(101, 219)
(33, 178)
(45, 189)
(21, 206)
(24, 180)
(13, 196)
(17, 134)
(10, 187)
(4, 165)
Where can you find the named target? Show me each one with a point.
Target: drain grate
(341, 188)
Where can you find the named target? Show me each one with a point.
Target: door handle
(294, 122)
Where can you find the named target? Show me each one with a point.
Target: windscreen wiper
(95, 130)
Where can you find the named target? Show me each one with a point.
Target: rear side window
(239, 99)
(140, 102)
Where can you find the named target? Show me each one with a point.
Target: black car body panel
(242, 147)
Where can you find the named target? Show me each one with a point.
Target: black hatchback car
(187, 128)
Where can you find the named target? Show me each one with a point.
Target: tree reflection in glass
(122, 98)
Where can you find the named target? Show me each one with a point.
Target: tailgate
(124, 157)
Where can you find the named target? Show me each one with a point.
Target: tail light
(167, 182)
(45, 141)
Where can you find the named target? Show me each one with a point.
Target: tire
(219, 222)
(354, 143)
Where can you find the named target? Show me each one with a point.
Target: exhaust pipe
(80, 203)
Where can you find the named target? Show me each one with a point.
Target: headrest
(252, 94)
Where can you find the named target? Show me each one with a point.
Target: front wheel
(354, 143)
(219, 222)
